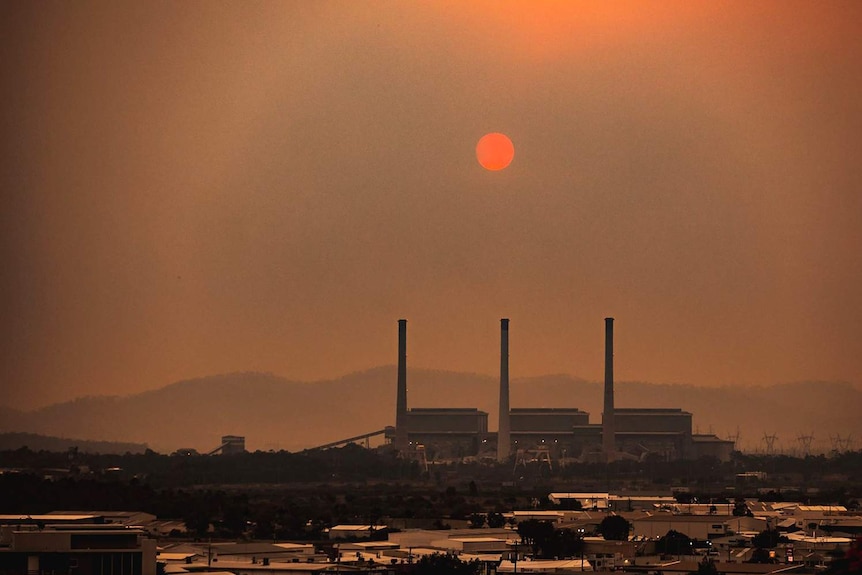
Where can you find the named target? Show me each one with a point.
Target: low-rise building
(92, 549)
(473, 544)
(355, 531)
(694, 526)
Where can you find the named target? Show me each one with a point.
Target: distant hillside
(276, 413)
(35, 442)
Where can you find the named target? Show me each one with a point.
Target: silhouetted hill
(36, 442)
(276, 413)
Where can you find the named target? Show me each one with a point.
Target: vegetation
(547, 542)
(768, 539)
(297, 495)
(705, 478)
(615, 528)
(445, 564)
(851, 563)
(296, 512)
(674, 543)
(705, 567)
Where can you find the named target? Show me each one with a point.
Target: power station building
(559, 432)
(449, 432)
(545, 426)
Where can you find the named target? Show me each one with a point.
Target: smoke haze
(195, 188)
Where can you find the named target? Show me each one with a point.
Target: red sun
(495, 151)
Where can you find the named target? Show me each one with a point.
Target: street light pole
(515, 569)
(581, 533)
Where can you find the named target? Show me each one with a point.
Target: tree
(496, 520)
(614, 528)
(477, 520)
(768, 539)
(851, 563)
(197, 520)
(537, 534)
(674, 543)
(705, 567)
(564, 543)
(546, 542)
(233, 522)
(440, 564)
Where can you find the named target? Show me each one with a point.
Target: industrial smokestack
(608, 428)
(503, 440)
(401, 441)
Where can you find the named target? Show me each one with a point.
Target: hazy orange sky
(192, 188)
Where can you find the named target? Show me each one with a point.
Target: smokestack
(503, 440)
(608, 429)
(401, 441)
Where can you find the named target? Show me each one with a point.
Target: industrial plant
(554, 433)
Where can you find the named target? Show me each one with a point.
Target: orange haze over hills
(204, 188)
(274, 413)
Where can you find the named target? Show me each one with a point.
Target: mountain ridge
(35, 442)
(274, 412)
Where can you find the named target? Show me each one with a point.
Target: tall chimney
(503, 439)
(608, 428)
(401, 441)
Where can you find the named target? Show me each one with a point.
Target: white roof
(781, 505)
(642, 498)
(274, 566)
(48, 517)
(817, 540)
(542, 566)
(175, 556)
(291, 546)
(477, 539)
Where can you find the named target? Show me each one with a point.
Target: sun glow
(495, 151)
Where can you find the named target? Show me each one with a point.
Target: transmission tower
(520, 458)
(769, 440)
(841, 444)
(543, 455)
(805, 443)
(734, 437)
(421, 457)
